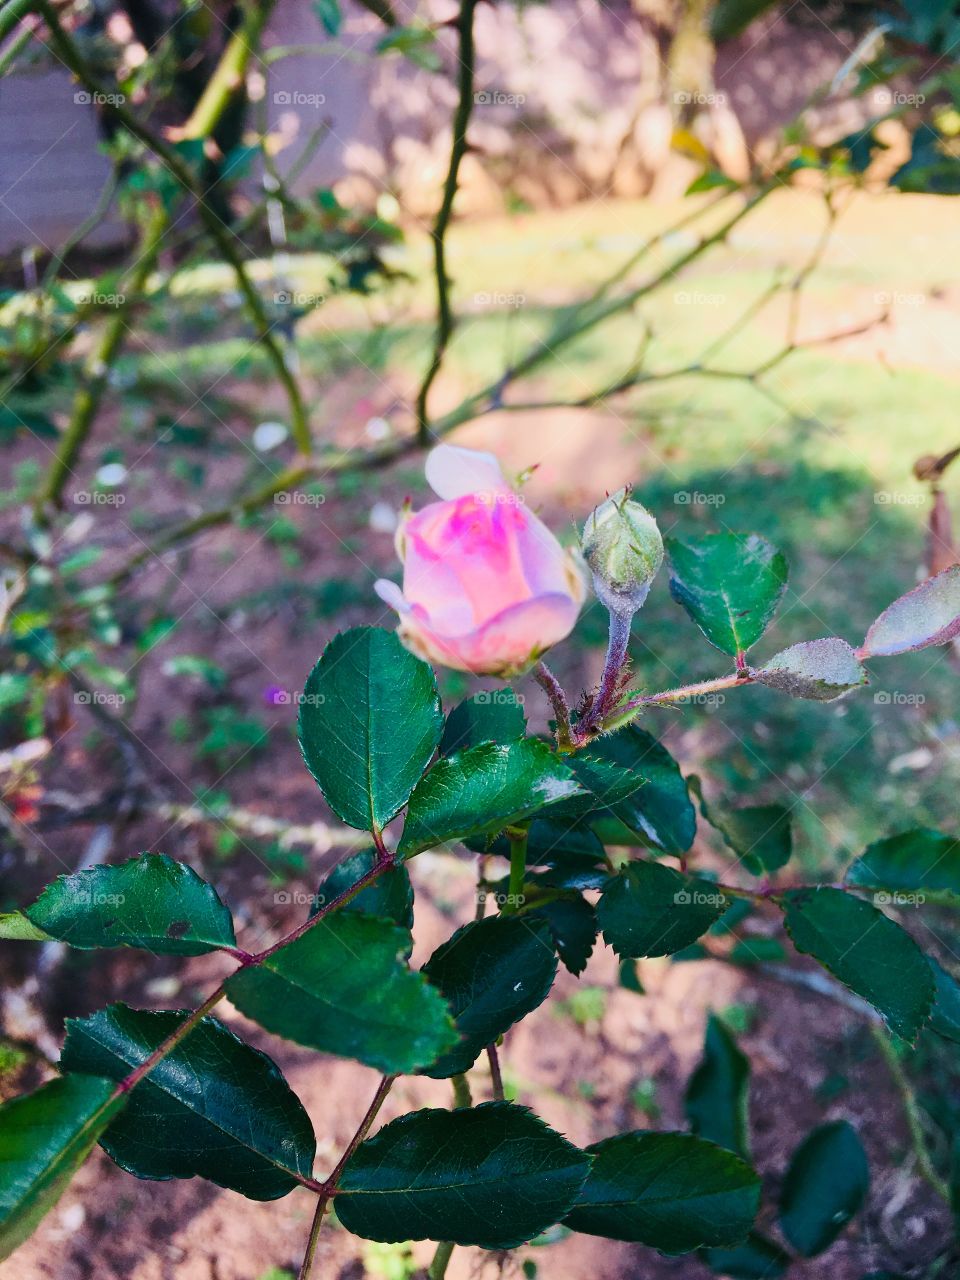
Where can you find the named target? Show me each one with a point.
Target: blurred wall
(571, 103)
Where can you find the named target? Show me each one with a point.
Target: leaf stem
(496, 1078)
(461, 1091)
(630, 709)
(518, 870)
(185, 1027)
(911, 1111)
(438, 1267)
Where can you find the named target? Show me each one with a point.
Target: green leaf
(390, 896)
(482, 790)
(493, 716)
(343, 987)
(730, 584)
(492, 973)
(370, 720)
(604, 782)
(912, 861)
(329, 15)
(150, 902)
(866, 950)
(15, 927)
(629, 978)
(756, 1259)
(717, 1097)
(652, 910)
(213, 1108)
(45, 1137)
(927, 615)
(660, 810)
(945, 1018)
(825, 1185)
(671, 1191)
(760, 835)
(415, 43)
(818, 670)
(493, 1176)
(573, 926)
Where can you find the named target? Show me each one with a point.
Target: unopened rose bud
(622, 545)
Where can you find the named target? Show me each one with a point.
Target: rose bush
(575, 838)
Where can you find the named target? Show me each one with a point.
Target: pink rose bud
(487, 588)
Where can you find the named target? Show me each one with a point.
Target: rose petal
(454, 472)
(504, 645)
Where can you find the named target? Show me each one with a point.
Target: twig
(461, 119)
(496, 1079)
(911, 1111)
(329, 1186)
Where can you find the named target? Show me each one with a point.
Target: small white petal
(453, 472)
(112, 474)
(383, 518)
(268, 435)
(391, 594)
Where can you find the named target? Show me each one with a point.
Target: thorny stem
(605, 698)
(461, 119)
(185, 1027)
(911, 1111)
(558, 699)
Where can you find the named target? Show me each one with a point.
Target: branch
(461, 119)
(328, 1188)
(219, 233)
